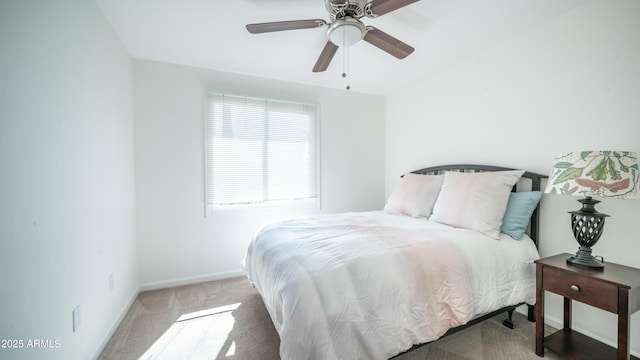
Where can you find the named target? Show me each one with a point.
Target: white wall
(176, 242)
(571, 84)
(67, 218)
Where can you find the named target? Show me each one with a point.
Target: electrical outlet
(112, 283)
(76, 318)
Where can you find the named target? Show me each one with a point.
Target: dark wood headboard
(535, 183)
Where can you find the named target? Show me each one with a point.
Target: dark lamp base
(587, 225)
(584, 259)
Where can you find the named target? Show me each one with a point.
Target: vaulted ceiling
(211, 34)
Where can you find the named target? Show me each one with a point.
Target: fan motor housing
(355, 9)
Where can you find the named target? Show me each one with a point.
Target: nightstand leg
(539, 312)
(623, 324)
(567, 313)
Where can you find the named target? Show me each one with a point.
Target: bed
(454, 245)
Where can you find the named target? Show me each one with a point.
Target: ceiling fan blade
(381, 7)
(285, 25)
(326, 55)
(387, 43)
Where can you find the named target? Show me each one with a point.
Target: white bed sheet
(370, 285)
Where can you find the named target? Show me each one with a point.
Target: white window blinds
(260, 151)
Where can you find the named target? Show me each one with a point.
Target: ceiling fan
(345, 27)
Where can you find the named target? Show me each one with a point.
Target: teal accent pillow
(518, 212)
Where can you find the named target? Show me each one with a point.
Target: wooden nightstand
(615, 289)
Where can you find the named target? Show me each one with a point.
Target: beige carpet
(226, 319)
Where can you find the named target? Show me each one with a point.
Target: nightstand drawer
(582, 288)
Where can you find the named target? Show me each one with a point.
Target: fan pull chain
(345, 59)
(345, 64)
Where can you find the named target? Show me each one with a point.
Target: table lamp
(604, 174)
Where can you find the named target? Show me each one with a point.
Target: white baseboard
(115, 324)
(523, 309)
(190, 280)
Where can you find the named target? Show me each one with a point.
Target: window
(260, 151)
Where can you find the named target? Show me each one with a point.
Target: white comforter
(371, 285)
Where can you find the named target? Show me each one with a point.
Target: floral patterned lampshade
(606, 174)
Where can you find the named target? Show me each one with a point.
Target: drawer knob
(575, 288)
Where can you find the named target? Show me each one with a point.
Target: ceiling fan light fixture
(346, 32)
(346, 29)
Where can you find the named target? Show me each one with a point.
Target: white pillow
(414, 195)
(475, 200)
